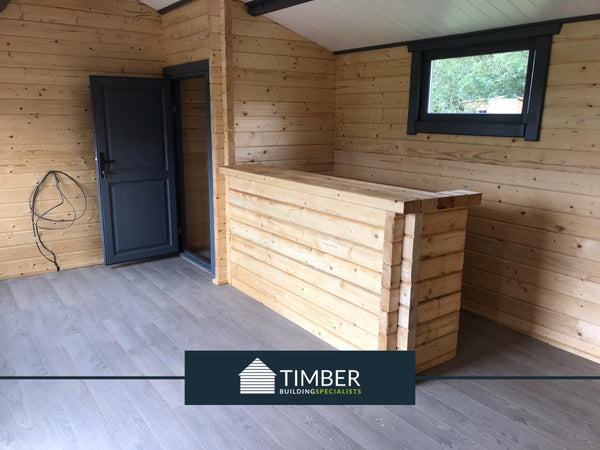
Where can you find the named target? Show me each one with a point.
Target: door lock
(103, 164)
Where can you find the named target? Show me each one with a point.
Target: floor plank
(139, 318)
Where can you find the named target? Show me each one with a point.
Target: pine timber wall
(194, 32)
(186, 33)
(439, 253)
(286, 254)
(533, 247)
(49, 48)
(272, 93)
(283, 91)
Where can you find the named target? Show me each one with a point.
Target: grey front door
(135, 160)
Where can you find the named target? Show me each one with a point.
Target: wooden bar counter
(361, 265)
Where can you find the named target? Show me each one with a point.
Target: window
(482, 84)
(489, 84)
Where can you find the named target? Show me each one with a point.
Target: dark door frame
(197, 69)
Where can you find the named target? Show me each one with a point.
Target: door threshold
(196, 260)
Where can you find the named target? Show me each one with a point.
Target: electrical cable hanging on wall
(39, 219)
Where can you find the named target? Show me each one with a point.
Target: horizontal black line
(92, 377)
(458, 377)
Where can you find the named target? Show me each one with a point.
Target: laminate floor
(138, 319)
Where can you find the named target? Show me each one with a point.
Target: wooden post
(223, 148)
(390, 281)
(227, 68)
(411, 255)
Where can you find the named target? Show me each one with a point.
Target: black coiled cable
(36, 218)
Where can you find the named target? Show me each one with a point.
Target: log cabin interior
(299, 175)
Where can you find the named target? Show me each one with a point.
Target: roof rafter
(260, 7)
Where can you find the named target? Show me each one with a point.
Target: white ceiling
(347, 24)
(158, 4)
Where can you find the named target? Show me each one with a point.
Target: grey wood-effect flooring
(138, 319)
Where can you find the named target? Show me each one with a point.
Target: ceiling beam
(3, 4)
(260, 7)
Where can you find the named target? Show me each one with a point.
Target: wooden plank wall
(48, 50)
(427, 289)
(532, 261)
(283, 91)
(193, 32)
(438, 294)
(314, 260)
(205, 28)
(284, 97)
(195, 158)
(186, 33)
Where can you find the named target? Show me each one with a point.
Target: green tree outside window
(462, 85)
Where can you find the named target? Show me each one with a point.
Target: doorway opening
(194, 153)
(191, 89)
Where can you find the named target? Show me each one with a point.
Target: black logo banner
(299, 377)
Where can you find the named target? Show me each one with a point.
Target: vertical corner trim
(414, 93)
(411, 256)
(390, 281)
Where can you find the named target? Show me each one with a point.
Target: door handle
(103, 162)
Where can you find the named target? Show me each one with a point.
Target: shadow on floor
(485, 348)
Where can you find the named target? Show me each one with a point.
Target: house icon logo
(257, 378)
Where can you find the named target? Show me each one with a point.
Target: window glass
(481, 84)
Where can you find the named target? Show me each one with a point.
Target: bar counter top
(386, 197)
